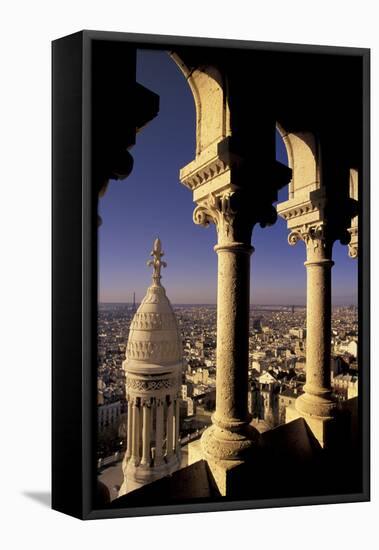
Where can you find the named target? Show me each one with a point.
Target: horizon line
(215, 304)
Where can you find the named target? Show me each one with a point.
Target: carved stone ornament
(153, 321)
(353, 245)
(231, 215)
(154, 337)
(158, 352)
(216, 209)
(313, 236)
(353, 251)
(157, 263)
(299, 210)
(149, 385)
(205, 174)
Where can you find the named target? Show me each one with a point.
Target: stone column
(232, 335)
(146, 434)
(129, 432)
(317, 404)
(177, 426)
(230, 437)
(169, 428)
(136, 431)
(158, 433)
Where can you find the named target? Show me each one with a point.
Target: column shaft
(169, 429)
(318, 327)
(231, 437)
(177, 426)
(146, 435)
(129, 435)
(136, 432)
(317, 400)
(233, 303)
(158, 433)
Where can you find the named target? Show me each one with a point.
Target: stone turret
(153, 368)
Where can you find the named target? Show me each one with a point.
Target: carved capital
(233, 221)
(317, 239)
(217, 209)
(312, 235)
(353, 251)
(353, 245)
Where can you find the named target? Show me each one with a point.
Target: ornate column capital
(220, 179)
(317, 238)
(353, 244)
(234, 222)
(319, 221)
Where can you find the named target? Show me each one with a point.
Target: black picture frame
(74, 273)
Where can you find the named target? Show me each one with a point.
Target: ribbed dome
(154, 337)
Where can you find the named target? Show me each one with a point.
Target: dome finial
(157, 263)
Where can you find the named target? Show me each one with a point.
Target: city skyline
(151, 202)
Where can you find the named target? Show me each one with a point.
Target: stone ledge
(324, 429)
(228, 475)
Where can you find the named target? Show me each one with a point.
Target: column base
(322, 426)
(223, 444)
(135, 476)
(229, 455)
(229, 476)
(316, 405)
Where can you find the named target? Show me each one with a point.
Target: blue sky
(151, 202)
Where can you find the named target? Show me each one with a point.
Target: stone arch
(304, 159)
(312, 172)
(209, 90)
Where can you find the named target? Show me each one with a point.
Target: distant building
(191, 407)
(187, 390)
(345, 386)
(258, 355)
(350, 347)
(108, 415)
(338, 365)
(268, 393)
(280, 351)
(200, 376)
(257, 326)
(298, 333)
(286, 398)
(256, 365)
(300, 364)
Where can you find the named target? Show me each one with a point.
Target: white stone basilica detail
(153, 368)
